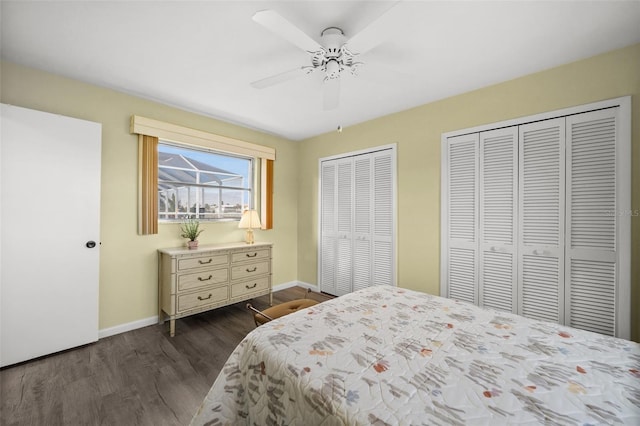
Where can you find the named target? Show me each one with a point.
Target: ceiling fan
(334, 57)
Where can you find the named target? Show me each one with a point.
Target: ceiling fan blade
(376, 32)
(274, 22)
(279, 78)
(331, 93)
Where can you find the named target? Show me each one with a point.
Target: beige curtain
(148, 187)
(266, 207)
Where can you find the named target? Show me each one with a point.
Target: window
(151, 131)
(202, 184)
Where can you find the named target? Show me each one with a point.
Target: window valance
(185, 135)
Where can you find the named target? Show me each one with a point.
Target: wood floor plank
(142, 377)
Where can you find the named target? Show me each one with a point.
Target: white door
(382, 232)
(461, 270)
(344, 213)
(357, 221)
(591, 246)
(50, 215)
(328, 228)
(373, 245)
(336, 226)
(541, 220)
(554, 211)
(362, 222)
(498, 207)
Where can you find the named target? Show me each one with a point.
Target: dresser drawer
(203, 278)
(248, 287)
(202, 298)
(249, 270)
(250, 255)
(201, 262)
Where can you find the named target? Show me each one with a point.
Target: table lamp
(249, 220)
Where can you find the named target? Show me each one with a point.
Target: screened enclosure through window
(202, 184)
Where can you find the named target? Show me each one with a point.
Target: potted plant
(191, 229)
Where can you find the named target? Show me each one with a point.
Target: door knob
(90, 244)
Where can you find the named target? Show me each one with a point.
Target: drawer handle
(255, 268)
(251, 255)
(205, 279)
(205, 263)
(250, 287)
(205, 298)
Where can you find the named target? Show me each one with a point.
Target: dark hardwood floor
(142, 377)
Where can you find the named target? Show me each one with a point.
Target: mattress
(390, 356)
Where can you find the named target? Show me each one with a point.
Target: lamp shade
(250, 219)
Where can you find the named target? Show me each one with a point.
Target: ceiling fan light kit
(334, 57)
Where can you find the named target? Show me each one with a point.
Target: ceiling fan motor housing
(333, 39)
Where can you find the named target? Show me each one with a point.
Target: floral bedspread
(391, 356)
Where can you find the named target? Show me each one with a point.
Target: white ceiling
(201, 56)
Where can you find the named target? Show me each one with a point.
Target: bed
(391, 356)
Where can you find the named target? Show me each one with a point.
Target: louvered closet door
(462, 202)
(498, 206)
(344, 212)
(363, 197)
(382, 232)
(328, 227)
(357, 221)
(590, 278)
(541, 219)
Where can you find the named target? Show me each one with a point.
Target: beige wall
(417, 133)
(128, 262)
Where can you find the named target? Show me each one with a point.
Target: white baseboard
(290, 284)
(145, 322)
(112, 331)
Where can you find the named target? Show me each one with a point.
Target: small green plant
(191, 229)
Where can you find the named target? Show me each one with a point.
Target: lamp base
(248, 238)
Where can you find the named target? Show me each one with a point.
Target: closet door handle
(205, 279)
(205, 298)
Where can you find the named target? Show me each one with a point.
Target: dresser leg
(172, 327)
(271, 298)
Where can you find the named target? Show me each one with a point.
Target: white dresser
(193, 281)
